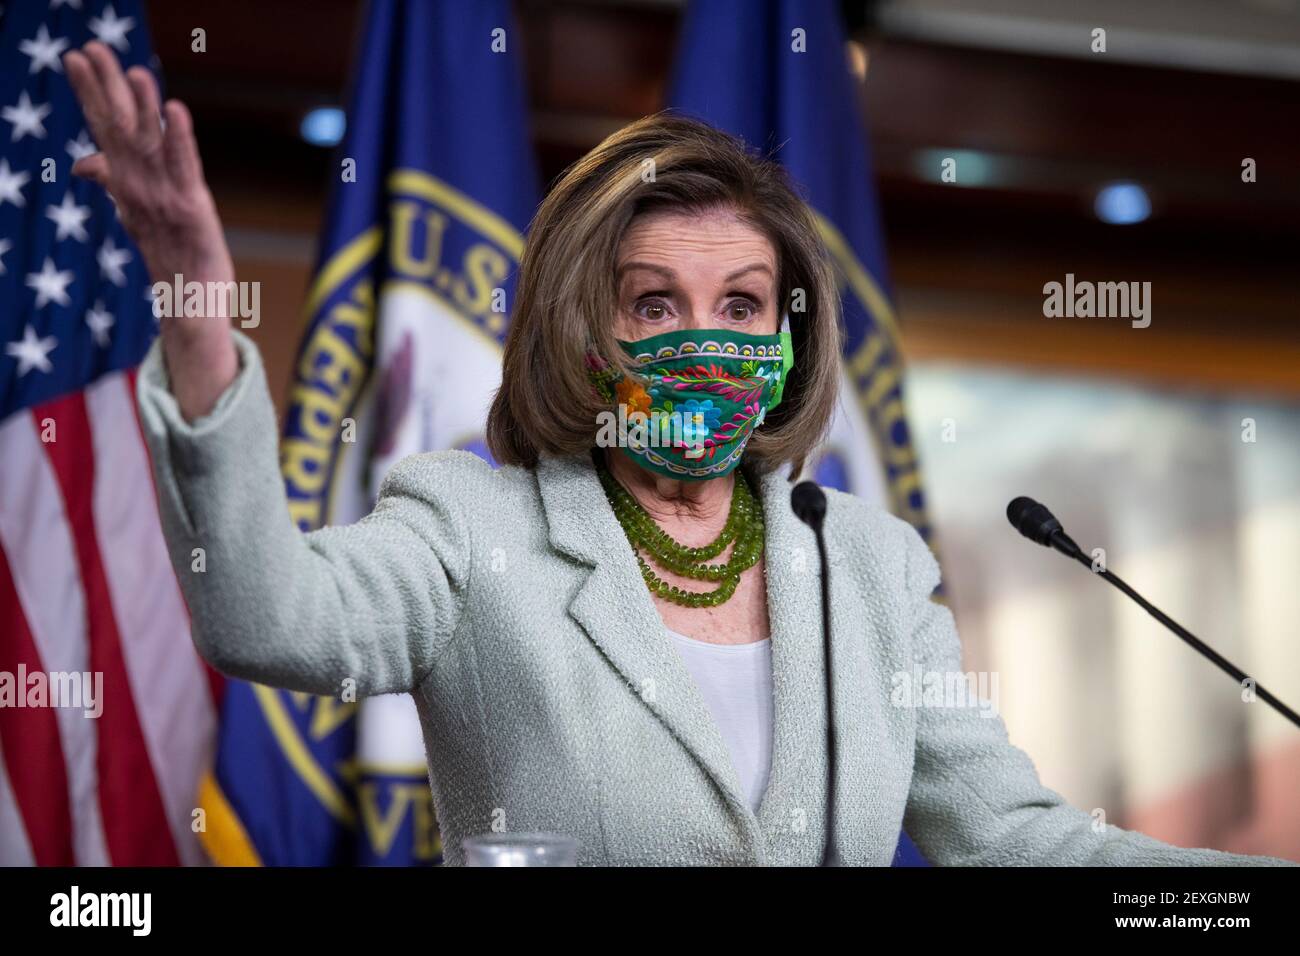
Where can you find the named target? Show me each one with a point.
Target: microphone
(1038, 524)
(809, 504)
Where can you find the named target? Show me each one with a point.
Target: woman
(623, 643)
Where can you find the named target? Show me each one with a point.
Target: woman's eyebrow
(634, 266)
(752, 267)
(667, 273)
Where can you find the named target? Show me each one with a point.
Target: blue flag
(434, 186)
(775, 73)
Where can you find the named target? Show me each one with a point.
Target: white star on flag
(51, 284)
(32, 351)
(69, 219)
(5, 246)
(81, 147)
(11, 185)
(26, 117)
(55, 4)
(111, 260)
(155, 306)
(100, 322)
(44, 51)
(111, 29)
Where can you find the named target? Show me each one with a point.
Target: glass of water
(521, 849)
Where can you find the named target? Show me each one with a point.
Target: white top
(736, 683)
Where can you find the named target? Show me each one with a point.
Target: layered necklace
(744, 527)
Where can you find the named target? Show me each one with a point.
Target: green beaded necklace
(744, 527)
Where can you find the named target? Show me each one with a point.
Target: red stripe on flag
(135, 824)
(216, 680)
(33, 753)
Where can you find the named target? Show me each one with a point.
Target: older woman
(618, 643)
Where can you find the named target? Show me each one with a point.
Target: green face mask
(702, 394)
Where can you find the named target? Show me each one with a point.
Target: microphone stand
(1038, 524)
(1062, 542)
(809, 504)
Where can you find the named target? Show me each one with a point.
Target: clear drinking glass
(521, 849)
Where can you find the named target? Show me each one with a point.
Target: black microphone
(809, 505)
(1038, 524)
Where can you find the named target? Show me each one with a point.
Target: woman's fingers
(144, 90)
(117, 93)
(152, 170)
(81, 74)
(121, 110)
(182, 153)
(93, 167)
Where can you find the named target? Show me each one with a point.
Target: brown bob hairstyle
(566, 301)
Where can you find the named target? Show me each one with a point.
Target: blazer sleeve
(373, 602)
(976, 800)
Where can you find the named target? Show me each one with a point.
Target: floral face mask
(703, 393)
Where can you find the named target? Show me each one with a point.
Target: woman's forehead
(668, 240)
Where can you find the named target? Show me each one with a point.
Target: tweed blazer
(509, 604)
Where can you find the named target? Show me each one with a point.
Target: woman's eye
(740, 311)
(652, 310)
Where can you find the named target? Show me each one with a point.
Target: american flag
(85, 582)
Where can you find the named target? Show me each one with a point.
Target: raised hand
(154, 174)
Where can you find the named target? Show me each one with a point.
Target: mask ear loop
(787, 362)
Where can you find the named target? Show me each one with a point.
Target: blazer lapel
(615, 609)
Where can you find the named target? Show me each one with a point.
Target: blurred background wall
(1176, 447)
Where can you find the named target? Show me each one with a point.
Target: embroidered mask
(701, 394)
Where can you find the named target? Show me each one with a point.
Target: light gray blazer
(510, 605)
